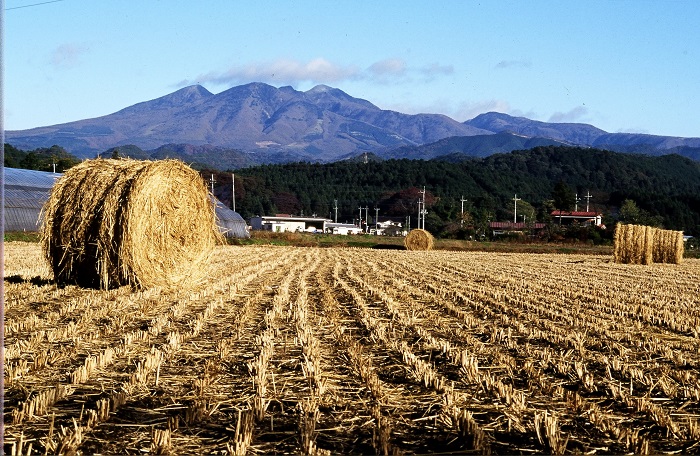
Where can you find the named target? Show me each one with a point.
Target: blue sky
(624, 66)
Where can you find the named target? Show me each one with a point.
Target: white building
(281, 224)
(342, 228)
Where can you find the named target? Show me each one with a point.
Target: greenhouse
(26, 191)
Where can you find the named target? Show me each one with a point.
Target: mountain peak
(320, 88)
(577, 133)
(187, 94)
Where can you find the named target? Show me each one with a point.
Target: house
(389, 227)
(281, 223)
(577, 217)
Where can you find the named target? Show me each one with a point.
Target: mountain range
(258, 123)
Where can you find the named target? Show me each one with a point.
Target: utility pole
(367, 217)
(376, 218)
(588, 199)
(212, 184)
(335, 203)
(461, 221)
(54, 167)
(420, 211)
(515, 210)
(359, 223)
(576, 203)
(233, 191)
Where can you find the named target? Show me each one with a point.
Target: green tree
(564, 198)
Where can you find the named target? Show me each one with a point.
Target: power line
(33, 4)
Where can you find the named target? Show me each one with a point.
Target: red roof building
(580, 217)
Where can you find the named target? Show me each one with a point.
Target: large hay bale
(636, 244)
(419, 240)
(109, 223)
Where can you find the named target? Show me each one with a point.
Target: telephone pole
(588, 199)
(576, 203)
(335, 202)
(421, 208)
(515, 210)
(233, 191)
(212, 184)
(376, 218)
(461, 221)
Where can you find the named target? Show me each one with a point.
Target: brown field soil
(311, 350)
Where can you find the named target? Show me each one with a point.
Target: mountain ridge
(321, 124)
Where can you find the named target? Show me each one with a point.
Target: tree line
(660, 191)
(54, 158)
(462, 195)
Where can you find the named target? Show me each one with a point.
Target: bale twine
(419, 240)
(109, 223)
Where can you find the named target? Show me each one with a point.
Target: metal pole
(461, 221)
(419, 213)
(233, 191)
(588, 198)
(515, 210)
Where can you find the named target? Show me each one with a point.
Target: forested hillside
(41, 159)
(665, 190)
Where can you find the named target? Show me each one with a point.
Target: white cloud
(460, 111)
(67, 55)
(504, 64)
(319, 70)
(576, 114)
(388, 67)
(633, 130)
(467, 110)
(283, 71)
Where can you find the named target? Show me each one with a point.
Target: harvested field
(306, 350)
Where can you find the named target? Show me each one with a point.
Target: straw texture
(636, 244)
(419, 240)
(109, 223)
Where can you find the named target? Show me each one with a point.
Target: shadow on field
(36, 281)
(389, 247)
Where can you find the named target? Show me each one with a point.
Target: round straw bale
(109, 223)
(419, 240)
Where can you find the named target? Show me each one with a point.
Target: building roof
(26, 191)
(291, 218)
(582, 214)
(230, 223)
(516, 226)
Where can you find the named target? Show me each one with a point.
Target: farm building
(288, 223)
(577, 217)
(342, 228)
(26, 191)
(231, 224)
(500, 228)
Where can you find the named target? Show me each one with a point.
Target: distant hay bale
(109, 223)
(419, 240)
(636, 244)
